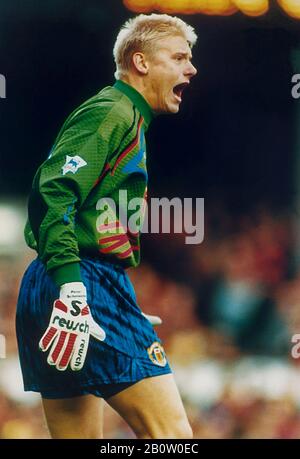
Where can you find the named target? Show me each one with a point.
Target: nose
(191, 70)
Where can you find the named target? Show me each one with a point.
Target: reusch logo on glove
(77, 309)
(78, 360)
(71, 325)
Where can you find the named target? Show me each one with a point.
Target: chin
(168, 108)
(173, 109)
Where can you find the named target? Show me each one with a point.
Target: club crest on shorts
(73, 163)
(157, 354)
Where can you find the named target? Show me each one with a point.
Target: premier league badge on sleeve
(73, 163)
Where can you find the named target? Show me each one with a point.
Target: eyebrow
(184, 54)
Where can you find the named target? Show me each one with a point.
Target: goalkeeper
(82, 337)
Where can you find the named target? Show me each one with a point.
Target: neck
(139, 85)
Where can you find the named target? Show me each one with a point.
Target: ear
(140, 63)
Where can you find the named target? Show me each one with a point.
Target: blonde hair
(142, 32)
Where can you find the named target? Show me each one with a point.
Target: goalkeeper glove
(70, 327)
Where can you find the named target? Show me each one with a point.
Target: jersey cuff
(66, 273)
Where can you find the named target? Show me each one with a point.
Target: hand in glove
(70, 327)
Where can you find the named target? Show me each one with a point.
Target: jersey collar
(137, 99)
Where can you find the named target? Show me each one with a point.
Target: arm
(60, 187)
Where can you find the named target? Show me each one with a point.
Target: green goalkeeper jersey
(96, 167)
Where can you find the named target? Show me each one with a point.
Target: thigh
(76, 417)
(153, 408)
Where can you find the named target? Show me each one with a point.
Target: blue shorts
(130, 352)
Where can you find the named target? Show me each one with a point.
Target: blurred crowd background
(230, 305)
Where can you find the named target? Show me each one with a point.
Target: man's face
(169, 72)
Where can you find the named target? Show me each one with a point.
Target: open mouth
(178, 90)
